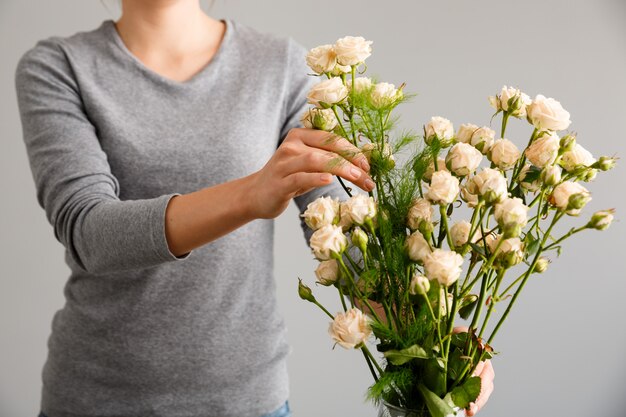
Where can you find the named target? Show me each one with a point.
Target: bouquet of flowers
(417, 270)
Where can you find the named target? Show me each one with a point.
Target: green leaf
(464, 394)
(532, 245)
(478, 249)
(400, 357)
(437, 406)
(467, 309)
(456, 363)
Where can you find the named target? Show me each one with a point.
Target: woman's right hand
(306, 159)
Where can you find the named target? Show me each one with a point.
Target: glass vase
(388, 410)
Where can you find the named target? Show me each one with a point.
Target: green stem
(565, 236)
(358, 293)
(368, 353)
(444, 224)
(369, 365)
(505, 118)
(494, 299)
(341, 297)
(324, 309)
(556, 218)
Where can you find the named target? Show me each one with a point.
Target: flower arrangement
(417, 271)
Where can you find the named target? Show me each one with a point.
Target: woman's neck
(177, 27)
(174, 38)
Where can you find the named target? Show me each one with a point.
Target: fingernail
(365, 165)
(369, 184)
(356, 173)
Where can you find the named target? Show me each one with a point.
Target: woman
(162, 146)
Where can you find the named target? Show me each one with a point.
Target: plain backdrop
(563, 348)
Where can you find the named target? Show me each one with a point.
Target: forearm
(197, 218)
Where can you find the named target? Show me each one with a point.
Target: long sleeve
(73, 179)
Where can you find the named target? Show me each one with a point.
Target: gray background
(563, 347)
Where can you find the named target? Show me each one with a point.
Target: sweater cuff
(159, 240)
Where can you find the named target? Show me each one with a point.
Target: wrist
(247, 197)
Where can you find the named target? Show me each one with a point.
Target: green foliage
(400, 357)
(437, 406)
(466, 393)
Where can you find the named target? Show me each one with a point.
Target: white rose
(350, 329)
(444, 266)
(327, 272)
(491, 185)
(361, 208)
(512, 100)
(544, 150)
(511, 211)
(417, 247)
(327, 241)
(504, 154)
(551, 175)
(463, 159)
(420, 210)
(384, 94)
(322, 119)
(577, 157)
(547, 113)
(465, 132)
(322, 59)
(439, 127)
(361, 84)
(560, 197)
(321, 212)
(419, 285)
(510, 252)
(441, 166)
(469, 193)
(327, 93)
(352, 50)
(482, 139)
(444, 188)
(527, 184)
(459, 232)
(371, 147)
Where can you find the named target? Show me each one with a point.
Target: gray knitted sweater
(110, 142)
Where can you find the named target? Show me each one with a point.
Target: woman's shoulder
(51, 53)
(264, 44)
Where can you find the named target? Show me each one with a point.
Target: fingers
(460, 329)
(334, 143)
(303, 158)
(299, 183)
(486, 373)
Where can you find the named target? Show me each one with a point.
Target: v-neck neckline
(205, 70)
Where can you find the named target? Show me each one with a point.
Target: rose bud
(305, 292)
(551, 175)
(360, 239)
(606, 163)
(541, 265)
(419, 285)
(568, 142)
(601, 220)
(321, 119)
